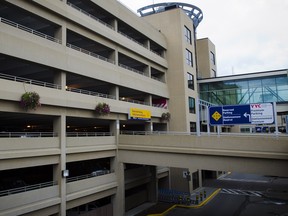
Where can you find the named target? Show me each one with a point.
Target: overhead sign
(139, 114)
(242, 114)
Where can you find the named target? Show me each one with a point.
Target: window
(190, 79)
(189, 58)
(191, 105)
(192, 126)
(212, 57)
(188, 35)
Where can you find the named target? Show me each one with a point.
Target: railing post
(275, 119)
(198, 117)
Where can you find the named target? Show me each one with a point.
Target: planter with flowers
(30, 101)
(102, 109)
(165, 116)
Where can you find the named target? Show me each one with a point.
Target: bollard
(188, 200)
(197, 199)
(201, 196)
(204, 193)
(180, 199)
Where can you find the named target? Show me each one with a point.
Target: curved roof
(192, 11)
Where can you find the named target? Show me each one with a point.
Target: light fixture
(65, 173)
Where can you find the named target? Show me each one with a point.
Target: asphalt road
(244, 195)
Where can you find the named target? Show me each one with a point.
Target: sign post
(242, 114)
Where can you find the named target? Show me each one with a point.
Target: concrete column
(114, 91)
(200, 178)
(149, 126)
(118, 200)
(60, 80)
(147, 44)
(147, 71)
(148, 100)
(152, 186)
(59, 125)
(61, 33)
(115, 24)
(191, 188)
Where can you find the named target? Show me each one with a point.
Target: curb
(190, 207)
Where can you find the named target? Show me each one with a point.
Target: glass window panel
(254, 83)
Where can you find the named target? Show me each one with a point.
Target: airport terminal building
(77, 74)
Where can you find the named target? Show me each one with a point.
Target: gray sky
(249, 35)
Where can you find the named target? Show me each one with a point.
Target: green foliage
(30, 100)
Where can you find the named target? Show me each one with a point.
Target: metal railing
(158, 79)
(27, 134)
(156, 133)
(203, 133)
(89, 53)
(134, 101)
(29, 30)
(93, 174)
(29, 81)
(90, 15)
(139, 43)
(110, 26)
(132, 69)
(88, 134)
(130, 38)
(27, 188)
(83, 91)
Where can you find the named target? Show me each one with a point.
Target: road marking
(242, 192)
(245, 180)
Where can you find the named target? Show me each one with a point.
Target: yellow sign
(216, 116)
(140, 114)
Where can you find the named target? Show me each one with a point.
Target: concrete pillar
(152, 186)
(114, 91)
(59, 125)
(191, 188)
(118, 200)
(148, 100)
(61, 33)
(149, 126)
(60, 80)
(115, 24)
(147, 71)
(200, 178)
(147, 44)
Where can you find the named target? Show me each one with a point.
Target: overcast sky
(249, 35)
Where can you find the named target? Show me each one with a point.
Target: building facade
(62, 61)
(74, 76)
(252, 88)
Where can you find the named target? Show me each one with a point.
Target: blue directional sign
(241, 114)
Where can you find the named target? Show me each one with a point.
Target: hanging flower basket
(102, 109)
(165, 116)
(30, 100)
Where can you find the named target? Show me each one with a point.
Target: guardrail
(29, 30)
(89, 53)
(27, 134)
(29, 81)
(202, 133)
(88, 134)
(110, 26)
(141, 44)
(27, 188)
(93, 174)
(132, 69)
(90, 15)
(134, 101)
(82, 91)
